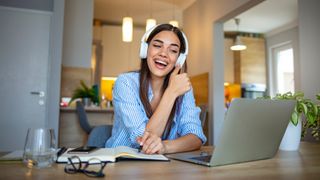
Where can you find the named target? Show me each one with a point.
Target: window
(282, 69)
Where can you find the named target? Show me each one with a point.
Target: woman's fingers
(175, 71)
(154, 149)
(148, 142)
(141, 140)
(151, 144)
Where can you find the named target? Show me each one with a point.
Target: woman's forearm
(159, 119)
(185, 143)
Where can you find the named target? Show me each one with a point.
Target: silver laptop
(252, 130)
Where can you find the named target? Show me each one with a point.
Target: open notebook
(112, 154)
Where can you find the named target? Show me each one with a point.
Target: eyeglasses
(93, 168)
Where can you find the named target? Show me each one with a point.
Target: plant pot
(86, 101)
(291, 138)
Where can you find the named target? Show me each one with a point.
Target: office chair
(203, 114)
(83, 119)
(97, 135)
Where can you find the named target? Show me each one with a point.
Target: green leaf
(315, 109)
(299, 94)
(311, 118)
(303, 108)
(83, 92)
(294, 118)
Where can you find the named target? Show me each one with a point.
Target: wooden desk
(303, 164)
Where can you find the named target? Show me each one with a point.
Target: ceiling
(263, 18)
(140, 10)
(141, 4)
(266, 17)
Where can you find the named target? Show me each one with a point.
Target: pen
(61, 151)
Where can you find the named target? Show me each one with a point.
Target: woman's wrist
(170, 94)
(165, 147)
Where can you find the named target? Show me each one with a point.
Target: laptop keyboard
(202, 158)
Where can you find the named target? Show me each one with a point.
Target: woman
(154, 107)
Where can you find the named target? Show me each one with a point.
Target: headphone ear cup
(143, 50)
(181, 59)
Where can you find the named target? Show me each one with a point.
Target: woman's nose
(163, 52)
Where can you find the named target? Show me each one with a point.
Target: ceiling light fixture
(238, 45)
(150, 21)
(127, 27)
(173, 22)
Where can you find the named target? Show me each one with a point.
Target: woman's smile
(160, 64)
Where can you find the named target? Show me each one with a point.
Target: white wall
(203, 24)
(77, 39)
(309, 38)
(286, 36)
(228, 61)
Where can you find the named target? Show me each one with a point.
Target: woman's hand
(179, 83)
(151, 143)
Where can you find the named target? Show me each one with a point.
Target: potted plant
(87, 94)
(313, 127)
(306, 112)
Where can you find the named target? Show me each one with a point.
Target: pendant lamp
(238, 44)
(173, 22)
(127, 29)
(150, 21)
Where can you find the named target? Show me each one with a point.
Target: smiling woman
(155, 107)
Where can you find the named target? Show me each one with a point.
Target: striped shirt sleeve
(189, 118)
(127, 106)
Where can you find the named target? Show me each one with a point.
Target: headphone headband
(146, 34)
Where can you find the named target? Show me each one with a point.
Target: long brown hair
(145, 76)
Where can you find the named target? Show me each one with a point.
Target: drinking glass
(39, 149)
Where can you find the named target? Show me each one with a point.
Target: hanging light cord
(237, 21)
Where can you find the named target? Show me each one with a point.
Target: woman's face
(163, 51)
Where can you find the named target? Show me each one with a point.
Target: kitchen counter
(88, 109)
(70, 132)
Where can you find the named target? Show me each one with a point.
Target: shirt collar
(150, 93)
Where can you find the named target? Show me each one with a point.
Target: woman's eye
(156, 45)
(174, 51)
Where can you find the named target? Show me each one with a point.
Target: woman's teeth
(161, 62)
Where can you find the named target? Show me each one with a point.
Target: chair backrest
(203, 113)
(99, 135)
(83, 119)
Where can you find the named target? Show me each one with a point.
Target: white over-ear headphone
(144, 47)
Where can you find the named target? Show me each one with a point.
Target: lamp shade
(127, 28)
(238, 45)
(150, 23)
(174, 23)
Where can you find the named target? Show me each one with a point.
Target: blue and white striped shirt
(130, 118)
